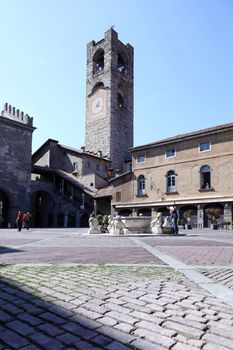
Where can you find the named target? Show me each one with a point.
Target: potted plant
(213, 215)
(103, 222)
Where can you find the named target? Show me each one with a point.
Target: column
(200, 217)
(227, 214)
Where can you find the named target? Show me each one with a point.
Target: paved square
(130, 293)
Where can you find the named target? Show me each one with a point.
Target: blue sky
(183, 63)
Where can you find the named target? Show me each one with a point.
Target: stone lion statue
(93, 225)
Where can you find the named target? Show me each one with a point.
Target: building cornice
(166, 203)
(186, 136)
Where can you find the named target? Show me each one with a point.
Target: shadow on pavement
(30, 322)
(5, 250)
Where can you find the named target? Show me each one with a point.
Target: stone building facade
(16, 130)
(109, 99)
(62, 185)
(65, 186)
(193, 171)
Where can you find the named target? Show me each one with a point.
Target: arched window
(97, 86)
(171, 181)
(205, 177)
(120, 100)
(98, 61)
(141, 185)
(121, 64)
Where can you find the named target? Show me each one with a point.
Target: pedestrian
(19, 220)
(26, 220)
(174, 218)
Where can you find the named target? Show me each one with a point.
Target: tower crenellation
(15, 114)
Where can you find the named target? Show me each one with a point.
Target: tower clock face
(97, 105)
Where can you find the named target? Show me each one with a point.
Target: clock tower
(109, 99)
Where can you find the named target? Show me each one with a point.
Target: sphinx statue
(156, 224)
(93, 225)
(115, 226)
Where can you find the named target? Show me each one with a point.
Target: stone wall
(15, 161)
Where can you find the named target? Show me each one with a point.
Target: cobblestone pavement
(221, 275)
(107, 307)
(196, 251)
(142, 304)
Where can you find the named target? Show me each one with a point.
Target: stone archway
(42, 205)
(84, 220)
(5, 210)
(208, 222)
(188, 213)
(72, 220)
(144, 212)
(125, 212)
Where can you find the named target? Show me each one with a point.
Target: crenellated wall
(15, 162)
(17, 115)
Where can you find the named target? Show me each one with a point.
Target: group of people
(23, 220)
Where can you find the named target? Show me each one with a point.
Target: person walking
(174, 218)
(26, 220)
(19, 220)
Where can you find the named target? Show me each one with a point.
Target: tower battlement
(12, 113)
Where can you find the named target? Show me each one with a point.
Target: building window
(205, 177)
(141, 158)
(171, 152)
(98, 61)
(75, 166)
(204, 146)
(141, 185)
(118, 196)
(120, 101)
(171, 181)
(121, 65)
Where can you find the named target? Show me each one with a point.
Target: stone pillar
(227, 213)
(65, 219)
(200, 217)
(62, 187)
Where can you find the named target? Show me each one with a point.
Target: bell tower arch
(109, 99)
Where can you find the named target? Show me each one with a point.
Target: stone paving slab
(77, 254)
(187, 241)
(206, 255)
(109, 307)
